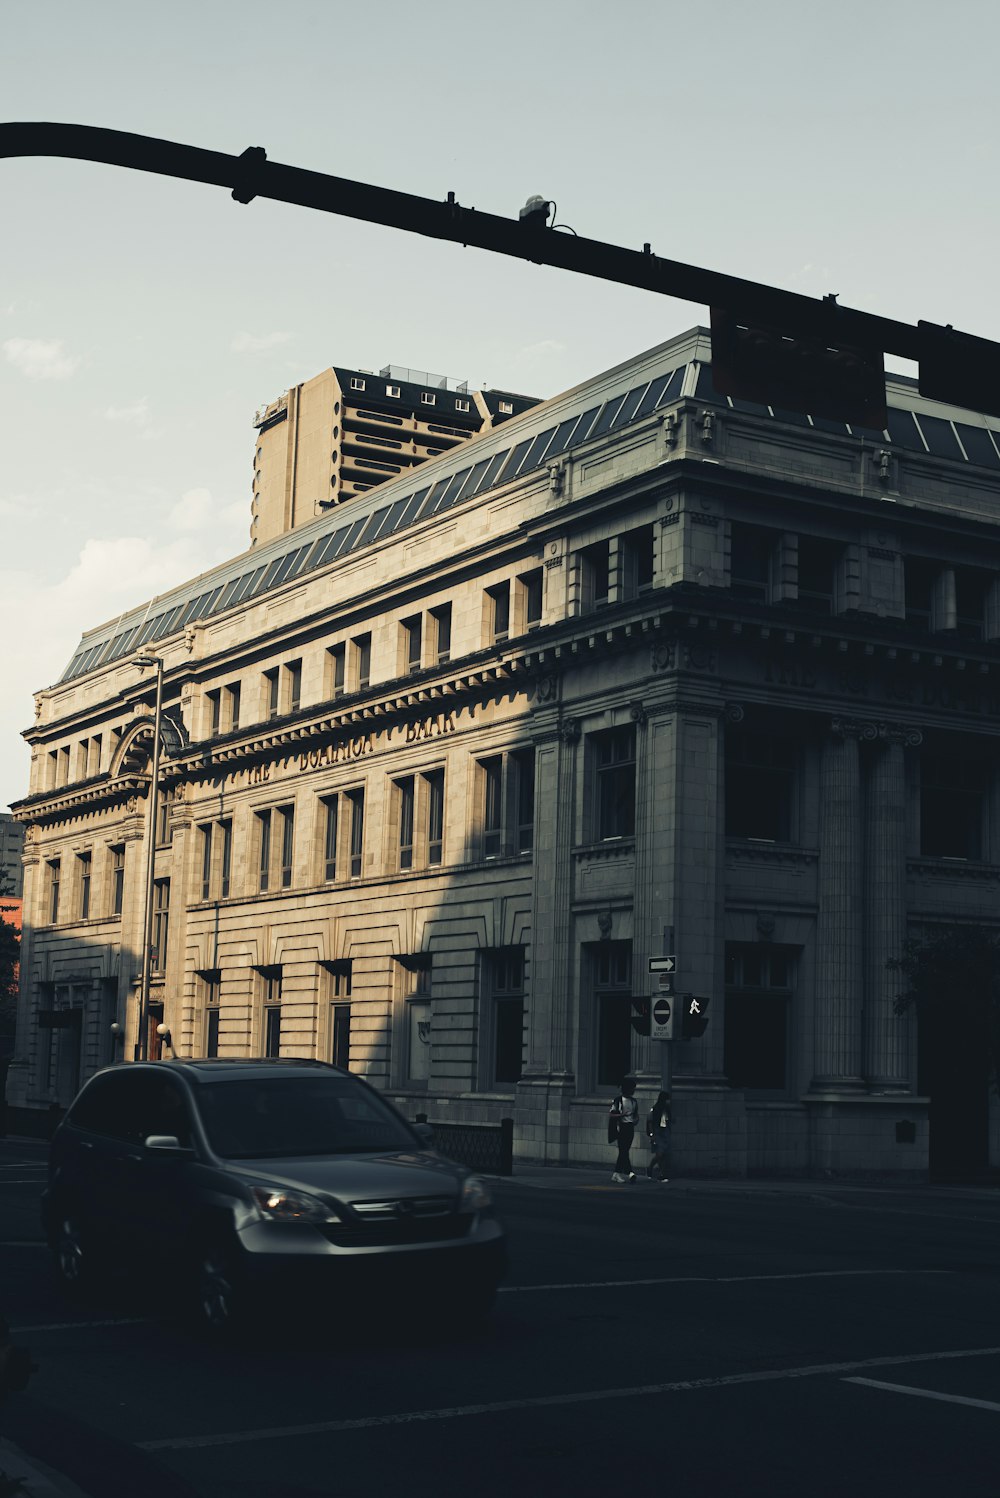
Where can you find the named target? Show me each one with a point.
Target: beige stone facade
(449, 765)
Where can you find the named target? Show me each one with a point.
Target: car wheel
(71, 1255)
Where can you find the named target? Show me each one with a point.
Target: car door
(158, 1183)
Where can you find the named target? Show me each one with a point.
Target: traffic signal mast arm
(251, 175)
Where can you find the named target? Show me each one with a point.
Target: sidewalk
(569, 1177)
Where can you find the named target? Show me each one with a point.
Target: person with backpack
(658, 1122)
(622, 1119)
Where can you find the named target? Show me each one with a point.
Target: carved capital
(638, 714)
(900, 733)
(569, 730)
(734, 712)
(854, 728)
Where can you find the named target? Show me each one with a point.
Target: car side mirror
(166, 1144)
(424, 1133)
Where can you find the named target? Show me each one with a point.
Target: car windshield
(280, 1118)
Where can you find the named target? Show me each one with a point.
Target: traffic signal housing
(694, 1019)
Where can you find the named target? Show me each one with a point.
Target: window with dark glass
(637, 561)
(226, 829)
(412, 643)
(818, 562)
(760, 781)
(492, 771)
(330, 825)
(215, 712)
(404, 792)
(164, 831)
(971, 586)
(287, 815)
(759, 980)
(294, 674)
(55, 870)
(117, 879)
(919, 578)
(522, 763)
(206, 860)
(272, 1011)
(263, 849)
(505, 980)
(338, 670)
(363, 652)
(442, 630)
(212, 985)
(614, 753)
(750, 559)
(85, 861)
(435, 815)
(234, 693)
(953, 791)
(340, 1015)
(271, 693)
(499, 607)
(161, 924)
(531, 593)
(595, 575)
(357, 800)
(611, 976)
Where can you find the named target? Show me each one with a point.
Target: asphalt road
(711, 1339)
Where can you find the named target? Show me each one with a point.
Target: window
(498, 603)
(64, 765)
(206, 860)
(161, 924)
(529, 586)
(508, 803)
(226, 829)
(750, 555)
(85, 861)
(919, 578)
(263, 849)
(503, 975)
(357, 383)
(330, 805)
(506, 408)
(340, 1014)
(211, 982)
(971, 588)
(393, 391)
(442, 632)
(164, 831)
(357, 800)
(337, 670)
(233, 694)
(461, 405)
(417, 1012)
(615, 773)
(55, 871)
(272, 1010)
(760, 782)
(214, 700)
(637, 562)
(271, 680)
(293, 681)
(287, 815)
(758, 993)
(404, 793)
(952, 805)
(427, 399)
(363, 660)
(611, 977)
(412, 643)
(435, 815)
(595, 576)
(818, 562)
(117, 878)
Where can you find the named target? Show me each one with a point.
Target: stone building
(448, 764)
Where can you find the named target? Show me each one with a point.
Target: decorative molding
(623, 847)
(882, 553)
(547, 687)
(700, 519)
(869, 731)
(745, 851)
(765, 927)
(698, 658)
(672, 519)
(661, 656)
(638, 714)
(604, 923)
(569, 730)
(734, 712)
(960, 869)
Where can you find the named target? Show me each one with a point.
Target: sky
(821, 148)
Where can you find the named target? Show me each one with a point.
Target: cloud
(256, 343)
(137, 413)
(40, 358)
(197, 511)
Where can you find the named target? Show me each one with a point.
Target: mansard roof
(632, 391)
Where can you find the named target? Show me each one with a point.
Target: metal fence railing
(485, 1147)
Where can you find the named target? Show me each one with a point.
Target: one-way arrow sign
(662, 964)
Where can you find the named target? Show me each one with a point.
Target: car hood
(360, 1177)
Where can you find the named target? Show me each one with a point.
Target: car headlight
(475, 1195)
(278, 1204)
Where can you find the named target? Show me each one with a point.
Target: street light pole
(142, 661)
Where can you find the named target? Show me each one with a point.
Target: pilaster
(839, 926)
(886, 1049)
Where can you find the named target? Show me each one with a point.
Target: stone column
(839, 925)
(886, 1047)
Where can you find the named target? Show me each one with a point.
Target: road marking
(28, 1181)
(20, 1164)
(874, 1383)
(715, 1279)
(79, 1326)
(24, 1243)
(548, 1401)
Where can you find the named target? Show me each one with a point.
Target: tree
(953, 977)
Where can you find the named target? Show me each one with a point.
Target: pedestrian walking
(622, 1119)
(658, 1122)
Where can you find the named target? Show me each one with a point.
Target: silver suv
(244, 1181)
